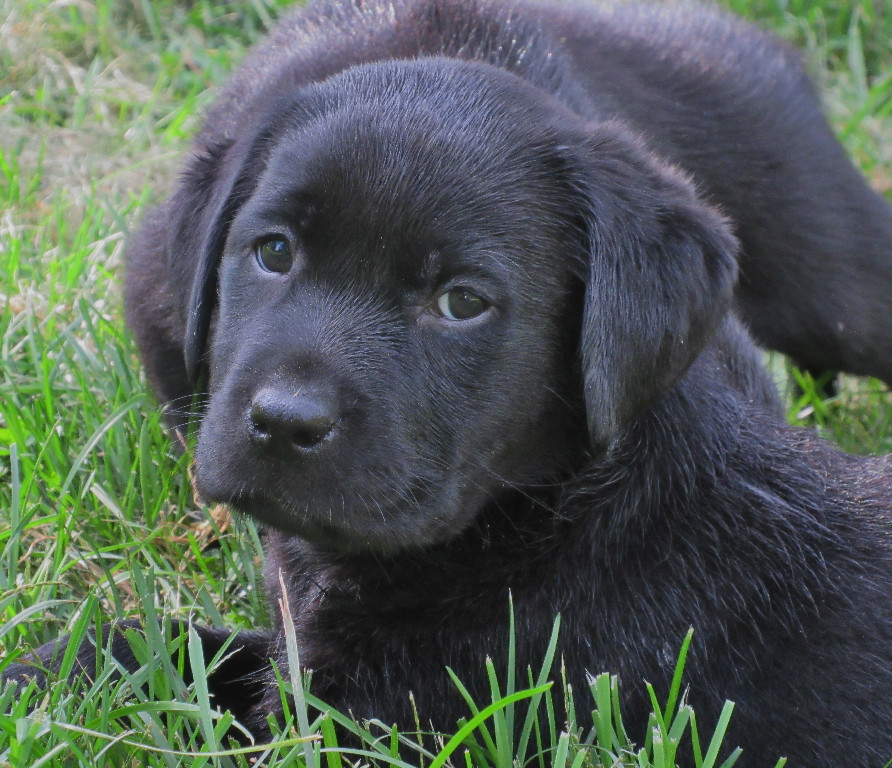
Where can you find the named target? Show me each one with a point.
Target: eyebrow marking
(432, 265)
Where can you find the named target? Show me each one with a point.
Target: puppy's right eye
(274, 255)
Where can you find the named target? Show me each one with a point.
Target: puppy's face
(435, 285)
(393, 346)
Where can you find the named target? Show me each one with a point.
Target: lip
(351, 531)
(268, 513)
(341, 539)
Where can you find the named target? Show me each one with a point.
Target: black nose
(300, 419)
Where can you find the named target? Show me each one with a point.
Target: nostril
(312, 432)
(287, 419)
(260, 428)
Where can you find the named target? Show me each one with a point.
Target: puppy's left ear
(661, 268)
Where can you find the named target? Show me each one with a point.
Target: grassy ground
(97, 100)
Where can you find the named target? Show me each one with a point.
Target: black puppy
(466, 331)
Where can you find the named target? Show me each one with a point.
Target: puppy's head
(434, 287)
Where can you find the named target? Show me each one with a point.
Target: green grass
(97, 101)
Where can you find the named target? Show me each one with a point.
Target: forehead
(407, 163)
(394, 179)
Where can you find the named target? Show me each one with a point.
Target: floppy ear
(214, 187)
(660, 274)
(170, 278)
(216, 184)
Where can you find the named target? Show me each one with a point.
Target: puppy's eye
(461, 304)
(274, 255)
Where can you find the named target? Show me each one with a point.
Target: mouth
(311, 528)
(411, 518)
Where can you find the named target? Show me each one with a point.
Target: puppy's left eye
(461, 304)
(274, 255)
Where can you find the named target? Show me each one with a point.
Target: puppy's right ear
(171, 271)
(214, 187)
(661, 267)
(217, 183)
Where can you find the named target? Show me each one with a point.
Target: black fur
(601, 441)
